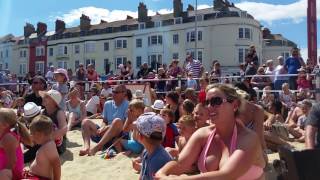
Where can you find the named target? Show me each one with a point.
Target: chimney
(190, 8)
(28, 30)
(60, 25)
(265, 33)
(142, 12)
(129, 17)
(103, 21)
(85, 23)
(41, 28)
(177, 8)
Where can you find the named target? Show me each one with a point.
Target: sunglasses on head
(217, 101)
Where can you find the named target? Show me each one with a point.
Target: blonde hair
(170, 114)
(42, 124)
(187, 120)
(9, 117)
(137, 104)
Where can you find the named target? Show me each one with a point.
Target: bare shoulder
(9, 140)
(247, 138)
(204, 131)
(49, 148)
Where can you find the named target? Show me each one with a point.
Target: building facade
(6, 49)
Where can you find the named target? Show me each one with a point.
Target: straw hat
(158, 104)
(31, 109)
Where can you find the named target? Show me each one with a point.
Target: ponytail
(24, 133)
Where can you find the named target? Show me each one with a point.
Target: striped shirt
(194, 67)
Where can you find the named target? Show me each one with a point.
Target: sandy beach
(75, 167)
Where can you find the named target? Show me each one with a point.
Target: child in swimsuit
(47, 163)
(11, 164)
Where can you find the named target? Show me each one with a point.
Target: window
(63, 64)
(90, 47)
(76, 64)
(7, 65)
(154, 60)
(178, 20)
(138, 43)
(200, 56)
(106, 46)
(199, 35)
(0, 67)
(40, 51)
(65, 50)
(175, 56)
(1, 54)
(120, 44)
(142, 25)
(199, 17)
(77, 49)
(50, 51)
(285, 55)
(39, 66)
(106, 66)
(155, 40)
(244, 33)
(176, 39)
(24, 53)
(60, 50)
(242, 54)
(23, 68)
(120, 60)
(157, 24)
(192, 36)
(7, 53)
(21, 53)
(138, 61)
(91, 61)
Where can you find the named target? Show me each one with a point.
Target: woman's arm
(188, 156)
(258, 124)
(62, 126)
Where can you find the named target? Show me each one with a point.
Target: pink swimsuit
(253, 173)
(18, 169)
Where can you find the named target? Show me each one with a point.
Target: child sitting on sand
(135, 109)
(47, 163)
(186, 127)
(150, 129)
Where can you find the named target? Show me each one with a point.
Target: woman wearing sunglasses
(224, 150)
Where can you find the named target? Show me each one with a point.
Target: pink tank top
(253, 173)
(18, 169)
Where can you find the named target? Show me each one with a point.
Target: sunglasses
(217, 101)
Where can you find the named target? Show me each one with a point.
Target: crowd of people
(207, 128)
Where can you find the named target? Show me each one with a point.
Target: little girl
(186, 127)
(171, 131)
(286, 96)
(76, 109)
(11, 164)
(61, 77)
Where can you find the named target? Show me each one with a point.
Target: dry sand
(118, 168)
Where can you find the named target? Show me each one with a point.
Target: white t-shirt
(92, 104)
(106, 92)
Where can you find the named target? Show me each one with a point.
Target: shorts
(97, 138)
(133, 146)
(27, 175)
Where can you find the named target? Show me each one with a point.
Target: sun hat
(31, 109)
(53, 94)
(158, 104)
(62, 71)
(138, 94)
(150, 124)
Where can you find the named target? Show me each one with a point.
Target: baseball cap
(151, 125)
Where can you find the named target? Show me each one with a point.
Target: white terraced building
(224, 33)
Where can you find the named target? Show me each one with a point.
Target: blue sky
(287, 17)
